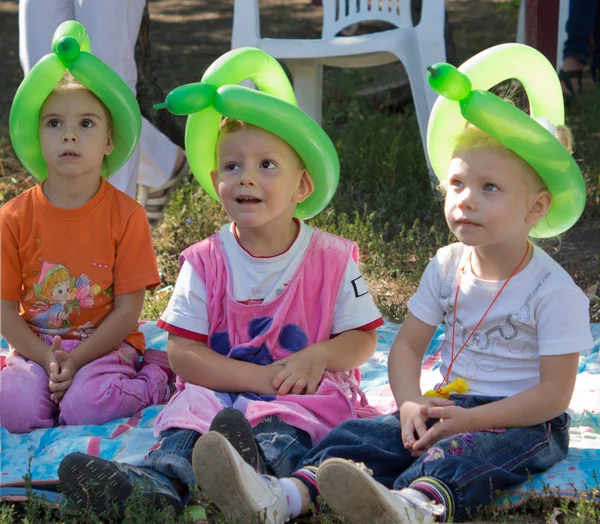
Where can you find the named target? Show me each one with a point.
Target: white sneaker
(351, 491)
(233, 485)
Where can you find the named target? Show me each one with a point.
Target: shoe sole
(219, 478)
(96, 483)
(234, 426)
(350, 492)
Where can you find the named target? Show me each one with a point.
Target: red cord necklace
(462, 272)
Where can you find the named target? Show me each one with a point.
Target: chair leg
(412, 63)
(308, 86)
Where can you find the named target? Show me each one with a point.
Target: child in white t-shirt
(268, 323)
(515, 324)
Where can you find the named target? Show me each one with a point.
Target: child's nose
(247, 177)
(69, 136)
(466, 199)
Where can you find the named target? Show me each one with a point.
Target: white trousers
(113, 27)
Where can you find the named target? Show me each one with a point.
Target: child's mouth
(69, 154)
(248, 200)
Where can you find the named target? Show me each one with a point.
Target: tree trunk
(148, 90)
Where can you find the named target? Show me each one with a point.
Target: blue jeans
(282, 445)
(582, 25)
(473, 466)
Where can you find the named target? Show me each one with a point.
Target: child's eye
(455, 182)
(267, 164)
(87, 123)
(231, 167)
(53, 122)
(490, 187)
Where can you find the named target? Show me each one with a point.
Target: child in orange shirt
(77, 258)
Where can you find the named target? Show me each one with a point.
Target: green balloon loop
(272, 107)
(465, 98)
(71, 50)
(76, 36)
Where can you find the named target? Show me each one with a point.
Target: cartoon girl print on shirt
(59, 296)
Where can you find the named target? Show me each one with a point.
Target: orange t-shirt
(65, 266)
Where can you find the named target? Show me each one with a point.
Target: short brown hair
(68, 83)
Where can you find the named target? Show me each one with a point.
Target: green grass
(536, 508)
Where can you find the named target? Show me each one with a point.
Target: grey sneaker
(234, 486)
(351, 491)
(101, 484)
(234, 426)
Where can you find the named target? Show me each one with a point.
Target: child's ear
(539, 208)
(214, 176)
(110, 144)
(305, 187)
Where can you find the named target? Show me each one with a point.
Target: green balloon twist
(71, 50)
(272, 107)
(464, 98)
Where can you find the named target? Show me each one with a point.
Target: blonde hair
(474, 138)
(51, 281)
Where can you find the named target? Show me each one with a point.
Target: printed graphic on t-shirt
(61, 296)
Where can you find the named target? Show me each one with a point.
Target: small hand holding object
(413, 416)
(61, 381)
(302, 372)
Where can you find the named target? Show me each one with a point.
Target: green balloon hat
(465, 98)
(272, 107)
(71, 50)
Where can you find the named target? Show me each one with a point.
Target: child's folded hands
(62, 372)
(414, 417)
(302, 372)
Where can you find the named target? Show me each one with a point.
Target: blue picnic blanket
(129, 439)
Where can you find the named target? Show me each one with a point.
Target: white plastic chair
(563, 16)
(415, 46)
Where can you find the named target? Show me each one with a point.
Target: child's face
(74, 133)
(260, 178)
(491, 199)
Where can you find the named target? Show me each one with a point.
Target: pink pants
(108, 388)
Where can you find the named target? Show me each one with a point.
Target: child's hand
(413, 417)
(267, 375)
(452, 420)
(51, 366)
(302, 372)
(63, 380)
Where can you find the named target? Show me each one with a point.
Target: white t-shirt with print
(541, 312)
(261, 280)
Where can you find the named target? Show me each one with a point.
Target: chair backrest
(339, 14)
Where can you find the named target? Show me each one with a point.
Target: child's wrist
(78, 359)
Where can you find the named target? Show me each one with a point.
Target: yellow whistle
(456, 386)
